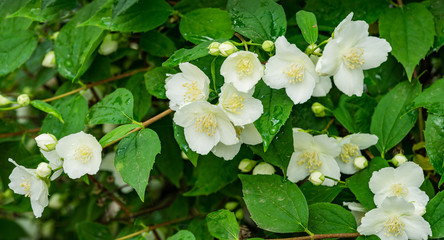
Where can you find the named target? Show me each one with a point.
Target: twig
(329, 124)
(242, 40)
(5, 135)
(370, 155)
(322, 236)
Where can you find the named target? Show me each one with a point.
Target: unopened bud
(214, 48)
(56, 201)
(4, 101)
(55, 35)
(360, 162)
(227, 48)
(263, 168)
(268, 46)
(49, 60)
(317, 178)
(239, 214)
(399, 159)
(134, 46)
(23, 100)
(46, 142)
(184, 156)
(231, 205)
(43, 170)
(246, 165)
(318, 109)
(108, 45)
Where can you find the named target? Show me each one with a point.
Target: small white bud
(43, 170)
(227, 48)
(46, 142)
(360, 162)
(23, 100)
(56, 201)
(4, 101)
(246, 165)
(214, 48)
(184, 156)
(317, 178)
(231, 205)
(264, 168)
(134, 46)
(268, 46)
(108, 45)
(49, 60)
(399, 159)
(318, 109)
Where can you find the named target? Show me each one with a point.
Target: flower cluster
(76, 154)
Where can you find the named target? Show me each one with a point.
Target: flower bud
(317, 178)
(43, 170)
(184, 156)
(227, 48)
(56, 201)
(55, 35)
(23, 100)
(108, 45)
(49, 60)
(134, 46)
(268, 46)
(46, 142)
(360, 162)
(231, 205)
(399, 159)
(263, 168)
(214, 48)
(4, 101)
(246, 165)
(239, 214)
(318, 109)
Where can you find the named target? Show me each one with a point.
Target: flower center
(206, 123)
(393, 226)
(353, 59)
(399, 190)
(310, 159)
(244, 67)
(234, 103)
(348, 151)
(239, 131)
(294, 73)
(192, 92)
(26, 184)
(83, 154)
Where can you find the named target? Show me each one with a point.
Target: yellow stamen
(83, 154)
(310, 159)
(244, 67)
(399, 190)
(349, 151)
(239, 131)
(394, 226)
(234, 103)
(192, 92)
(206, 123)
(294, 72)
(26, 184)
(353, 59)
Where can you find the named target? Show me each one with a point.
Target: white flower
(403, 182)
(81, 154)
(243, 69)
(46, 141)
(246, 134)
(349, 53)
(241, 108)
(317, 178)
(24, 181)
(313, 154)
(323, 83)
(55, 162)
(395, 219)
(108, 165)
(351, 147)
(205, 125)
(264, 168)
(291, 69)
(399, 159)
(43, 170)
(357, 210)
(108, 45)
(49, 60)
(191, 85)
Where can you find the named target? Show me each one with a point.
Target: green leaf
(358, 183)
(437, 9)
(10, 230)
(142, 99)
(38, 10)
(157, 44)
(258, 20)
(206, 24)
(45, 107)
(435, 215)
(223, 225)
(180, 139)
(315, 194)
(434, 138)
(115, 108)
(275, 204)
(93, 231)
(15, 49)
(410, 30)
(120, 6)
(185, 55)
(432, 98)
(135, 157)
(277, 108)
(308, 25)
(371, 237)
(355, 113)
(117, 133)
(155, 81)
(330, 218)
(198, 226)
(74, 46)
(12, 25)
(393, 117)
(182, 235)
(381, 79)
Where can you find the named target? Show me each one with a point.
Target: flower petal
(200, 142)
(302, 140)
(410, 174)
(322, 87)
(416, 227)
(327, 145)
(296, 172)
(227, 152)
(300, 92)
(375, 51)
(329, 168)
(351, 33)
(363, 140)
(350, 82)
(329, 63)
(250, 135)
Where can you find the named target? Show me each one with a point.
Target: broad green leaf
(45, 107)
(198, 226)
(223, 225)
(410, 30)
(432, 98)
(186, 55)
(182, 235)
(135, 157)
(93, 231)
(437, 9)
(206, 24)
(155, 81)
(434, 138)
(157, 44)
(393, 117)
(185, 6)
(9, 229)
(435, 215)
(180, 139)
(15, 49)
(117, 133)
(142, 99)
(277, 108)
(258, 20)
(275, 204)
(38, 10)
(330, 218)
(381, 79)
(120, 6)
(355, 113)
(12, 25)
(308, 25)
(116, 108)
(358, 183)
(74, 46)
(315, 194)
(371, 237)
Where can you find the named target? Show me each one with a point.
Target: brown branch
(322, 236)
(400, 4)
(5, 135)
(329, 124)
(370, 155)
